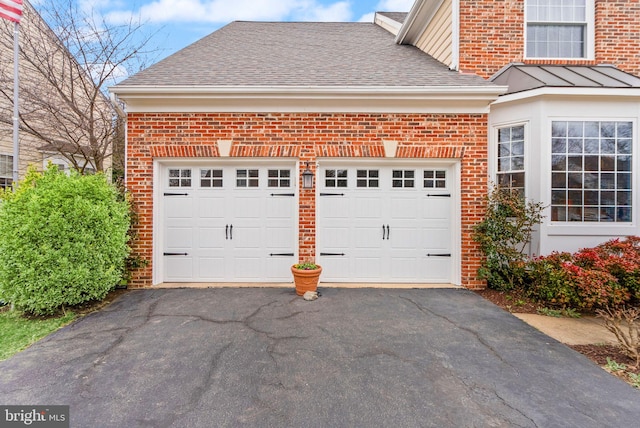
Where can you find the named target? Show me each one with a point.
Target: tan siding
(437, 38)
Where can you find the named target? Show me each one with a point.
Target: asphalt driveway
(353, 358)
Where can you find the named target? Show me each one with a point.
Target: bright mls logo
(34, 416)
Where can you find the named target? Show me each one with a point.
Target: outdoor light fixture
(307, 178)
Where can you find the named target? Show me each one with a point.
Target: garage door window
(247, 178)
(403, 178)
(335, 178)
(211, 178)
(179, 177)
(368, 178)
(435, 179)
(279, 178)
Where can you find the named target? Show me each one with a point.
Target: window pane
(598, 184)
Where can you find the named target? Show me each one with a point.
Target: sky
(178, 23)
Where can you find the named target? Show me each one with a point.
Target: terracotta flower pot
(306, 279)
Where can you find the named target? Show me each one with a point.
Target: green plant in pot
(306, 277)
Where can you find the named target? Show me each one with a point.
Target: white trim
(455, 35)
(493, 151)
(387, 23)
(567, 93)
(361, 99)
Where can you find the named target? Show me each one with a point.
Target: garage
(382, 223)
(234, 222)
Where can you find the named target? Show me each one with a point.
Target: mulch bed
(517, 302)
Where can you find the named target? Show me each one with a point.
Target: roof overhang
(632, 94)
(416, 22)
(322, 99)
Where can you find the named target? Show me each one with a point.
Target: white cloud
(223, 11)
(336, 12)
(368, 17)
(394, 5)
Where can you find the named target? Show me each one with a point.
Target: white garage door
(229, 223)
(386, 224)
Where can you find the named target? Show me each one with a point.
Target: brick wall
(308, 136)
(492, 35)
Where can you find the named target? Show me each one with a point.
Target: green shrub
(63, 241)
(503, 236)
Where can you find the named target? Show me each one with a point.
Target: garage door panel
(367, 268)
(404, 238)
(179, 207)
(210, 238)
(367, 237)
(178, 268)
(404, 268)
(179, 238)
(279, 238)
(211, 268)
(211, 207)
(365, 208)
(404, 208)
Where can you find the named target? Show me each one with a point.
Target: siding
(437, 38)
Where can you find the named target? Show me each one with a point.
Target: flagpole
(16, 111)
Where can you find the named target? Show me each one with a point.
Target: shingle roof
(300, 54)
(399, 17)
(522, 77)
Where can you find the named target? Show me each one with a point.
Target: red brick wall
(492, 35)
(308, 136)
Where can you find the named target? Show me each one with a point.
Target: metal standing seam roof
(524, 77)
(300, 54)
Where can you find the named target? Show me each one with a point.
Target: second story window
(558, 28)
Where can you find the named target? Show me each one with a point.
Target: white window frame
(589, 37)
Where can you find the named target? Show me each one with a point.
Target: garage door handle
(228, 231)
(388, 232)
(231, 232)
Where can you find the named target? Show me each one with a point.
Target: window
(591, 179)
(335, 178)
(6, 171)
(210, 178)
(435, 179)
(279, 178)
(247, 178)
(511, 158)
(402, 178)
(558, 28)
(368, 178)
(179, 177)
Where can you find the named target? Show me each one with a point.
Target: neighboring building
(404, 123)
(34, 33)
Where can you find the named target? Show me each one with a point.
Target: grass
(17, 332)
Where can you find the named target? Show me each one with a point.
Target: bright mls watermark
(34, 416)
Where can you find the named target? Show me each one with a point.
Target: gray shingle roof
(399, 17)
(522, 77)
(300, 54)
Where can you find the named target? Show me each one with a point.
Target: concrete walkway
(264, 357)
(571, 331)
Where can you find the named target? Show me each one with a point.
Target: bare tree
(68, 58)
